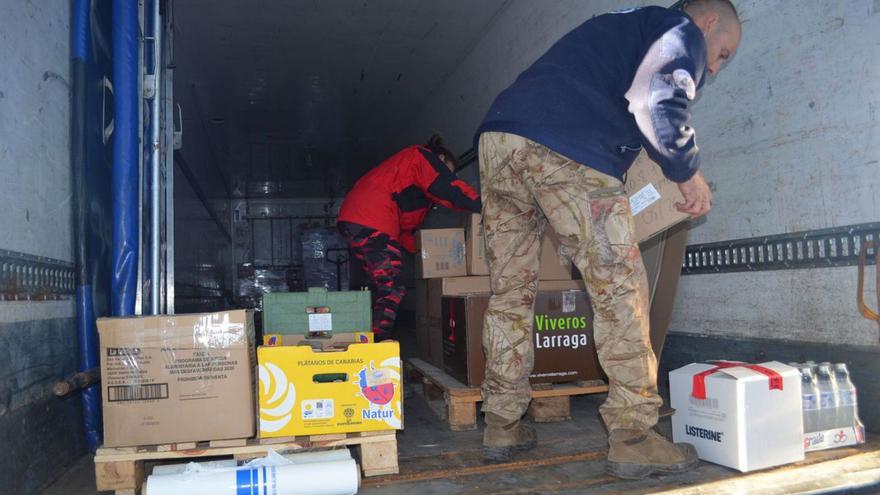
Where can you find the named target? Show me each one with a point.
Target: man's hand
(697, 196)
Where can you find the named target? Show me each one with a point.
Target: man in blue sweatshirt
(554, 149)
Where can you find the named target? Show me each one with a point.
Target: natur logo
(278, 412)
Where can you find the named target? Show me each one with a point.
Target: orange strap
(860, 295)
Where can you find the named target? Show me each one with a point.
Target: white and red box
(739, 415)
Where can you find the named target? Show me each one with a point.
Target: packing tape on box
(331, 477)
(698, 391)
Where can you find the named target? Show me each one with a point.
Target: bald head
(724, 8)
(720, 24)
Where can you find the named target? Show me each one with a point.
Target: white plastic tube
(319, 456)
(298, 458)
(339, 477)
(202, 466)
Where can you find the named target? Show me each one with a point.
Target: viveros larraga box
(739, 415)
(563, 338)
(164, 378)
(308, 391)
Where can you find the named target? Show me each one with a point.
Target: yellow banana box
(303, 391)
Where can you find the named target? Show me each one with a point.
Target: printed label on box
(321, 322)
(569, 301)
(317, 409)
(458, 252)
(646, 196)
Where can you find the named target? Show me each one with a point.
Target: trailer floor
(569, 460)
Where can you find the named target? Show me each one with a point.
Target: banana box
(304, 391)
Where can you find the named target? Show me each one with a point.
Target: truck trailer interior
(171, 157)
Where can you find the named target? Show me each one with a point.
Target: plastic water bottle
(809, 399)
(848, 401)
(828, 398)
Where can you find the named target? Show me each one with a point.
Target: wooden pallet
(122, 469)
(550, 402)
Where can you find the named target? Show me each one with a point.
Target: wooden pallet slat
(238, 442)
(550, 402)
(122, 469)
(122, 475)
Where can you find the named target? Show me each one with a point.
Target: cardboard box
(429, 294)
(563, 338)
(164, 378)
(429, 330)
(459, 286)
(333, 340)
(317, 312)
(555, 261)
(662, 256)
(652, 198)
(304, 391)
(441, 253)
(476, 246)
(745, 417)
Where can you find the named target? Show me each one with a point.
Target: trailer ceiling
(339, 79)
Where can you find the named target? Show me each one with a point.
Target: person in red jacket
(380, 215)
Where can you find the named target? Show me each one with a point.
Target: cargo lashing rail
(24, 277)
(833, 247)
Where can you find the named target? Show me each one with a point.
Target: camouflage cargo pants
(524, 186)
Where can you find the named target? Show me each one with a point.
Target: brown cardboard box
(555, 263)
(441, 253)
(429, 294)
(476, 246)
(563, 338)
(663, 255)
(429, 332)
(652, 198)
(458, 286)
(183, 378)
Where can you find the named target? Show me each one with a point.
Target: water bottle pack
(830, 406)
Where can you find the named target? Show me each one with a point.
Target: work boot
(504, 438)
(635, 454)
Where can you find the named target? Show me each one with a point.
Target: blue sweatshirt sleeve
(659, 98)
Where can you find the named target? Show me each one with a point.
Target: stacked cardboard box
(562, 336)
(329, 385)
(452, 262)
(164, 378)
(316, 312)
(320, 371)
(453, 287)
(555, 261)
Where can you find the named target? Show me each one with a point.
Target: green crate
(289, 312)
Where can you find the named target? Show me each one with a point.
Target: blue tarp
(91, 59)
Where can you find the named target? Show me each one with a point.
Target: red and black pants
(382, 260)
